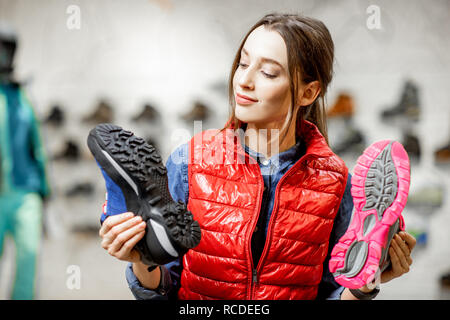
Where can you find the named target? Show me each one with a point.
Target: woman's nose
(246, 79)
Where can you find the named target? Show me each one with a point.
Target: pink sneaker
(380, 186)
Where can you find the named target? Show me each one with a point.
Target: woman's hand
(120, 233)
(400, 253)
(400, 250)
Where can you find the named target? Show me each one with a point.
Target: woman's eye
(268, 75)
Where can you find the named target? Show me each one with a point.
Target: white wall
(170, 52)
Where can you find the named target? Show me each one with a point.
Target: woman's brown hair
(310, 52)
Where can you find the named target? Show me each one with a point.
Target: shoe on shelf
(148, 113)
(412, 146)
(199, 112)
(136, 181)
(408, 106)
(442, 155)
(352, 142)
(69, 152)
(380, 186)
(445, 280)
(103, 113)
(55, 117)
(344, 107)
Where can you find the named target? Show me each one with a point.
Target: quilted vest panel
(225, 190)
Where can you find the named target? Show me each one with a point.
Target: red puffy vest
(225, 191)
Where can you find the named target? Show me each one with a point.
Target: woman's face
(261, 82)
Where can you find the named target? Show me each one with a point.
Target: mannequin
(23, 183)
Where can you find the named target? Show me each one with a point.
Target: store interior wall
(172, 53)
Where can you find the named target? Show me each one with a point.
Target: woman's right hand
(120, 233)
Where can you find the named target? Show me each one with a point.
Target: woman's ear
(309, 93)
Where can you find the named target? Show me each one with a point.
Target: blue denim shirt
(272, 170)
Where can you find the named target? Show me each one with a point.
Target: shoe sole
(134, 165)
(380, 187)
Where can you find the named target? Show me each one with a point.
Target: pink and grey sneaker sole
(380, 186)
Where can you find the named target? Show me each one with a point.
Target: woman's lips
(244, 100)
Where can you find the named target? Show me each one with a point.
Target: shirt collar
(280, 160)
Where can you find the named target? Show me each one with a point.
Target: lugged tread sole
(380, 186)
(137, 168)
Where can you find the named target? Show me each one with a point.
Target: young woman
(270, 221)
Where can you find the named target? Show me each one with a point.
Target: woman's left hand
(400, 250)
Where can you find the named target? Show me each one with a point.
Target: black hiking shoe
(136, 181)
